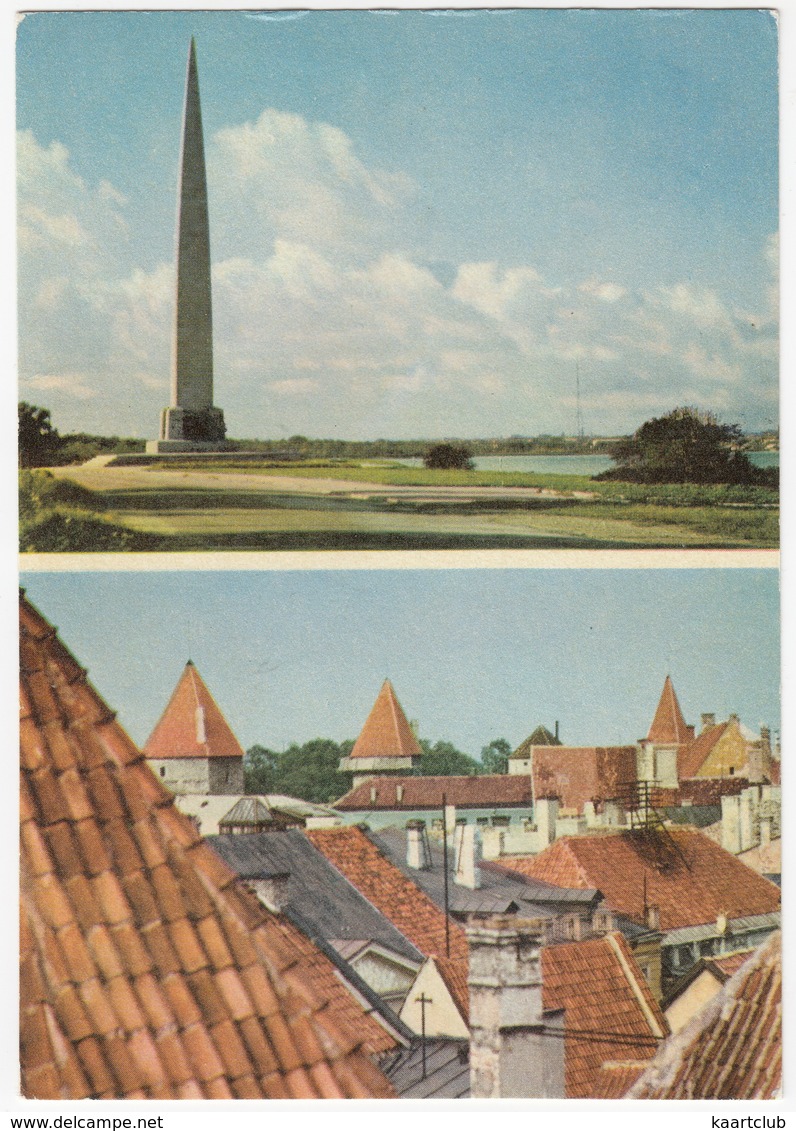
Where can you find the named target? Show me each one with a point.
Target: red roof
(610, 1013)
(192, 725)
(668, 726)
(691, 881)
(147, 969)
(577, 774)
(616, 1077)
(386, 733)
(690, 759)
(732, 1049)
(409, 908)
(465, 792)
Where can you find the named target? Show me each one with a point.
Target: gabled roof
(691, 881)
(577, 774)
(732, 1049)
(333, 907)
(690, 759)
(475, 792)
(409, 908)
(668, 726)
(192, 725)
(386, 733)
(610, 1013)
(539, 737)
(722, 967)
(499, 889)
(147, 970)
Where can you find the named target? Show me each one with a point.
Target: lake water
(568, 465)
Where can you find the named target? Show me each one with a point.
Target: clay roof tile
(128, 988)
(192, 725)
(668, 726)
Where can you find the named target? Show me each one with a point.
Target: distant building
(192, 748)
(386, 744)
(498, 800)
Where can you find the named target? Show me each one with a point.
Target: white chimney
(708, 721)
(468, 854)
(545, 815)
(516, 1050)
(418, 852)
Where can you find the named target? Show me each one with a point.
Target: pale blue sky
(473, 654)
(421, 222)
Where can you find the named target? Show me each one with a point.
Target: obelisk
(192, 422)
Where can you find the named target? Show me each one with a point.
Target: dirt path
(108, 478)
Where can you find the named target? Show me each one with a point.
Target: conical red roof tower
(386, 743)
(669, 727)
(192, 726)
(192, 747)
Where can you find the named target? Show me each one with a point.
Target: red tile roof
(577, 774)
(616, 1077)
(669, 726)
(691, 757)
(476, 792)
(708, 882)
(147, 969)
(192, 725)
(610, 1013)
(732, 1049)
(727, 964)
(386, 733)
(699, 791)
(409, 908)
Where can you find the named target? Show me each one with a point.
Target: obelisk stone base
(189, 430)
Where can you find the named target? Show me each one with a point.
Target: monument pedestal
(190, 430)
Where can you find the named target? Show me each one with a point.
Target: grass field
(322, 506)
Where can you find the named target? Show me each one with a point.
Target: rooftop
(474, 792)
(610, 1013)
(669, 727)
(732, 1049)
(326, 899)
(147, 969)
(415, 915)
(577, 774)
(386, 733)
(498, 891)
(686, 875)
(192, 726)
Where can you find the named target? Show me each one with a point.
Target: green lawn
(189, 512)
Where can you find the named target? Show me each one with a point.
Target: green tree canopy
(685, 446)
(495, 757)
(309, 771)
(444, 760)
(448, 457)
(38, 440)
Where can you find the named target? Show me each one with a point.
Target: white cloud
(326, 322)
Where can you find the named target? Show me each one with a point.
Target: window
(163, 771)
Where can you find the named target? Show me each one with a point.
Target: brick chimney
(418, 852)
(516, 1049)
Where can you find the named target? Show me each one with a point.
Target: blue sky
(473, 654)
(422, 223)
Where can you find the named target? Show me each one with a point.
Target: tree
(309, 771)
(38, 440)
(444, 760)
(448, 457)
(495, 757)
(685, 446)
(260, 767)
